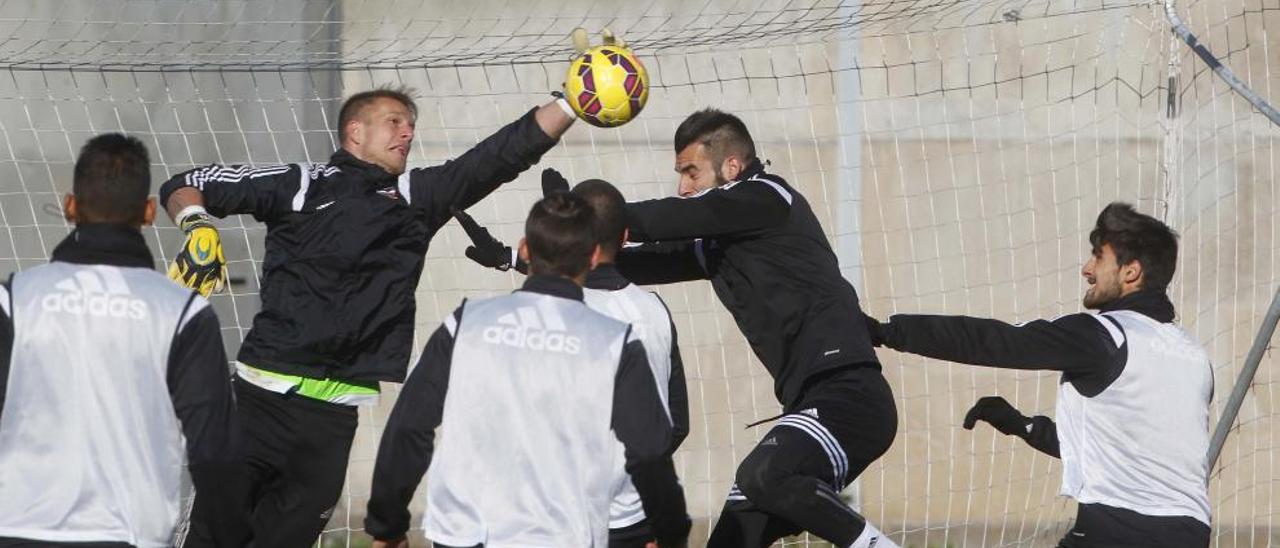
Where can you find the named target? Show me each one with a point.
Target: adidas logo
(101, 293)
(769, 441)
(533, 328)
(812, 412)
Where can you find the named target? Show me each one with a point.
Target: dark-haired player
(532, 391)
(112, 379)
(758, 242)
(607, 291)
(345, 246)
(1132, 424)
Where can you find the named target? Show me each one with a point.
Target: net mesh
(956, 152)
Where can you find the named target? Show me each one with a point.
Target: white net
(957, 153)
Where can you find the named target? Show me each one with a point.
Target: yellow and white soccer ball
(607, 85)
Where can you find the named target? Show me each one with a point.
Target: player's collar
(350, 164)
(754, 168)
(102, 243)
(552, 285)
(606, 277)
(1152, 303)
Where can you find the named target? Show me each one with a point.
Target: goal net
(956, 152)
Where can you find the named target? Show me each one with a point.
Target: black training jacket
(769, 261)
(345, 247)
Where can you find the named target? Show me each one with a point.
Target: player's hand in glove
(484, 249)
(581, 43)
(553, 182)
(200, 264)
(997, 411)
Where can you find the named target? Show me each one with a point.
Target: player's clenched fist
(200, 264)
(997, 411)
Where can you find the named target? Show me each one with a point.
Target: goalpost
(956, 152)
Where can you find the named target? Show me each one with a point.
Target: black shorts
(297, 450)
(843, 421)
(851, 413)
(636, 535)
(1102, 526)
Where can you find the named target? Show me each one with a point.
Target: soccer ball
(607, 86)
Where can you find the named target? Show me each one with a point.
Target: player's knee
(760, 477)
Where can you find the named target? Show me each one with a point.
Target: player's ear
(69, 211)
(626, 235)
(595, 257)
(731, 168)
(524, 251)
(149, 211)
(355, 131)
(1131, 273)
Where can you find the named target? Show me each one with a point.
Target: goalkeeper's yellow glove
(200, 264)
(581, 43)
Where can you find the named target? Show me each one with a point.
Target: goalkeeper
(345, 246)
(1133, 403)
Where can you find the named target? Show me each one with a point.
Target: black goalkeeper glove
(997, 411)
(553, 182)
(484, 249)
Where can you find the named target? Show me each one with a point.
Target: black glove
(484, 249)
(996, 411)
(875, 329)
(553, 182)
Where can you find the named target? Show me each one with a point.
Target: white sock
(872, 538)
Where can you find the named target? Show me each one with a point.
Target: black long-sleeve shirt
(1078, 345)
(345, 246)
(408, 441)
(771, 265)
(197, 378)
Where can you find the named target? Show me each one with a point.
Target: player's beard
(1101, 293)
